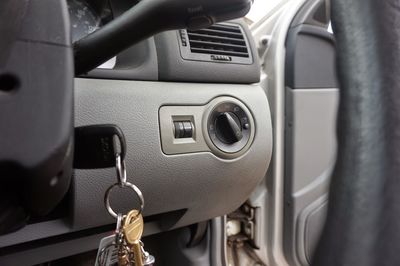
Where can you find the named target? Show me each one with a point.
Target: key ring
(128, 185)
(119, 223)
(121, 170)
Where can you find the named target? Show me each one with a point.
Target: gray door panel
(310, 148)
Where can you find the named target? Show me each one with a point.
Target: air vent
(219, 43)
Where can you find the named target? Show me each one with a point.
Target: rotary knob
(228, 128)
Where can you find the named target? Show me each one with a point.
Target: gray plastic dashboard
(197, 185)
(179, 189)
(159, 59)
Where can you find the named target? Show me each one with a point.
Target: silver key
(107, 254)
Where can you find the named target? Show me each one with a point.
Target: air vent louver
(220, 42)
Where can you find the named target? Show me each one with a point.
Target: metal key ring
(121, 170)
(128, 185)
(119, 223)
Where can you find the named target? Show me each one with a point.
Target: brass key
(133, 230)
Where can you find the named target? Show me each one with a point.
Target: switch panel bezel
(201, 140)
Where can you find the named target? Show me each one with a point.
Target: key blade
(134, 231)
(136, 248)
(133, 227)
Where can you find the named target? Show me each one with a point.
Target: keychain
(125, 247)
(95, 147)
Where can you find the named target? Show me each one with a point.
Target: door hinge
(243, 231)
(244, 222)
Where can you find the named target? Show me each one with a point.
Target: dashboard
(174, 55)
(198, 131)
(201, 119)
(83, 18)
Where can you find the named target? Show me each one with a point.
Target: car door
(297, 50)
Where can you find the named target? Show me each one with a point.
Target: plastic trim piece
(274, 67)
(168, 182)
(139, 62)
(201, 141)
(187, 54)
(172, 67)
(223, 152)
(310, 58)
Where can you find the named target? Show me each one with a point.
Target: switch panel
(224, 127)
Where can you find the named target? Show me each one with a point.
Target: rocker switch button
(187, 125)
(178, 130)
(183, 129)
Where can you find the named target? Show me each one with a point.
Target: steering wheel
(363, 223)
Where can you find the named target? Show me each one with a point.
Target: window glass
(259, 9)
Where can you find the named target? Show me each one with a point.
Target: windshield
(259, 9)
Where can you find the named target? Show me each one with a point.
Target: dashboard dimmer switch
(188, 128)
(179, 130)
(183, 129)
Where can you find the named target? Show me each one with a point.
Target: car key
(124, 248)
(110, 247)
(107, 252)
(95, 146)
(133, 230)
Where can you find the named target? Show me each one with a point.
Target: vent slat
(199, 37)
(219, 33)
(219, 52)
(226, 28)
(228, 46)
(219, 39)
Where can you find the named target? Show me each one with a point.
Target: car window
(260, 8)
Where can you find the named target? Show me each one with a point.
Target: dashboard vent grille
(221, 43)
(219, 39)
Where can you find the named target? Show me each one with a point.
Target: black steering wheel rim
(363, 225)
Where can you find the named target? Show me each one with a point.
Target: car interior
(199, 132)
